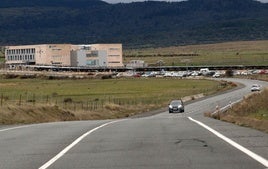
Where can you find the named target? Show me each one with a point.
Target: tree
(229, 73)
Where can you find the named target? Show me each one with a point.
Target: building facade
(98, 55)
(95, 55)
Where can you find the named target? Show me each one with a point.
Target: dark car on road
(176, 106)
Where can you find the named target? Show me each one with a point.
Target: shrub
(106, 77)
(229, 73)
(68, 100)
(10, 76)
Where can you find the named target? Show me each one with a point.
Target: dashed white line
(65, 150)
(256, 157)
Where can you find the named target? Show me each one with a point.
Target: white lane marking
(256, 157)
(65, 150)
(13, 128)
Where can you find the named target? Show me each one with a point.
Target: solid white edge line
(65, 150)
(13, 128)
(256, 157)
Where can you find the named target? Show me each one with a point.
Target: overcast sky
(127, 1)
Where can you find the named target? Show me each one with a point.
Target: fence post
(2, 99)
(47, 99)
(74, 106)
(20, 100)
(33, 99)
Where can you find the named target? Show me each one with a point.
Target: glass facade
(23, 55)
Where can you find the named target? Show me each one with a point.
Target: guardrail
(221, 110)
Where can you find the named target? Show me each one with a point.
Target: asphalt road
(162, 141)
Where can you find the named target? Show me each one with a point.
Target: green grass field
(96, 89)
(229, 53)
(37, 100)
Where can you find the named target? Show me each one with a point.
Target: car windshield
(176, 102)
(255, 85)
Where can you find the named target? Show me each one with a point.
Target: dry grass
(37, 114)
(43, 113)
(252, 112)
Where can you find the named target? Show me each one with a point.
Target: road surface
(162, 141)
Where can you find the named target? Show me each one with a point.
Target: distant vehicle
(136, 75)
(255, 87)
(216, 75)
(176, 106)
(204, 71)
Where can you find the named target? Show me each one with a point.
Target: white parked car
(216, 75)
(255, 87)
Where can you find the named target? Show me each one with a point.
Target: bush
(10, 76)
(68, 100)
(229, 73)
(106, 77)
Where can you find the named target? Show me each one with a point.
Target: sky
(127, 1)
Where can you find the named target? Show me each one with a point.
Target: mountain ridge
(136, 24)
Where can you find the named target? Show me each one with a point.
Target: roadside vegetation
(251, 112)
(41, 100)
(263, 77)
(2, 54)
(229, 53)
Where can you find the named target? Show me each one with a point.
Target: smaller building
(98, 55)
(136, 64)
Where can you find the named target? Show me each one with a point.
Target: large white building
(93, 55)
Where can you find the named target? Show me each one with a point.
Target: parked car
(176, 106)
(216, 75)
(255, 87)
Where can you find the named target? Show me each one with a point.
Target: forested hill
(137, 24)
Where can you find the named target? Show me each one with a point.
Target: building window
(56, 56)
(92, 54)
(114, 55)
(114, 62)
(92, 62)
(88, 55)
(114, 49)
(86, 48)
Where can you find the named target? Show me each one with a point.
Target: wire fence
(69, 103)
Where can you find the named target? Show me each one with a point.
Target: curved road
(162, 141)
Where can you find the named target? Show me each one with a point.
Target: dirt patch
(8, 84)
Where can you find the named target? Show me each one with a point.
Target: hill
(226, 53)
(140, 24)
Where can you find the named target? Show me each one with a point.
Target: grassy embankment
(251, 112)
(37, 100)
(230, 53)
